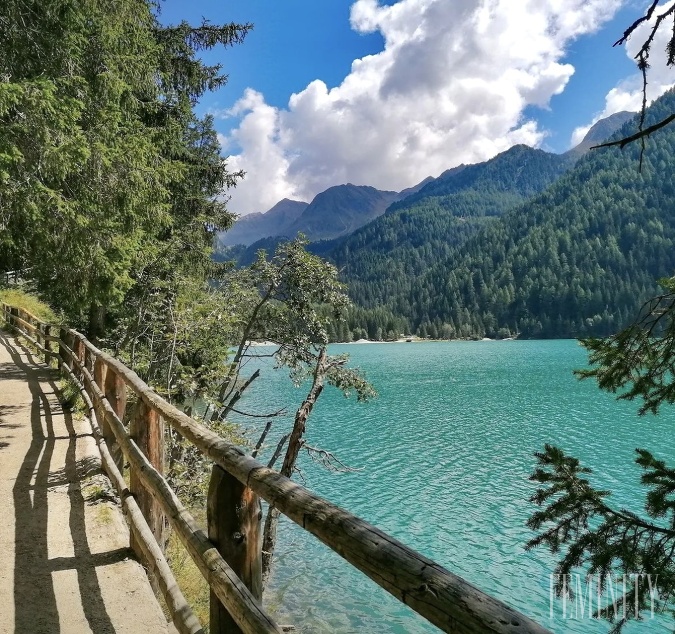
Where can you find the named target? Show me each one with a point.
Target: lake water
(444, 455)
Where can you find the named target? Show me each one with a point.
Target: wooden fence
(228, 553)
(9, 278)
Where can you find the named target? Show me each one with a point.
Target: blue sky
(439, 82)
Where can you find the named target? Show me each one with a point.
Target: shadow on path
(35, 597)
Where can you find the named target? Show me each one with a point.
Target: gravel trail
(65, 563)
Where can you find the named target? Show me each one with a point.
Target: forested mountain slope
(577, 260)
(382, 260)
(340, 210)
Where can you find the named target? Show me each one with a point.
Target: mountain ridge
(342, 209)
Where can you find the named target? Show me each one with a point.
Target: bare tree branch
(328, 460)
(237, 395)
(261, 440)
(638, 135)
(272, 415)
(642, 58)
(277, 451)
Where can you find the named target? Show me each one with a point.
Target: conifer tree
(104, 168)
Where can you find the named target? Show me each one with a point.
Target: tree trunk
(96, 328)
(292, 451)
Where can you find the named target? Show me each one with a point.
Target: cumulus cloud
(627, 95)
(450, 86)
(263, 157)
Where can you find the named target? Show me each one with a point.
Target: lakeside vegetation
(111, 194)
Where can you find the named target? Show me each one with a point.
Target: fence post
(46, 332)
(38, 332)
(234, 515)
(116, 393)
(100, 369)
(78, 349)
(89, 359)
(64, 338)
(147, 431)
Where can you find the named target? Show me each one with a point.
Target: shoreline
(400, 340)
(419, 340)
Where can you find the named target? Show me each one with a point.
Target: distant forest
(524, 245)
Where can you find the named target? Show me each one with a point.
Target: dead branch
(638, 135)
(272, 415)
(237, 395)
(328, 460)
(261, 440)
(642, 58)
(277, 451)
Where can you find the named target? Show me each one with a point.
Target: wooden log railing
(228, 553)
(11, 278)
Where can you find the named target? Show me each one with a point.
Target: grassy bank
(30, 302)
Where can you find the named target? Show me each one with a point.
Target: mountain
(412, 190)
(601, 131)
(274, 222)
(381, 261)
(340, 210)
(336, 212)
(577, 260)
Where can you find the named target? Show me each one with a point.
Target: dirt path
(65, 565)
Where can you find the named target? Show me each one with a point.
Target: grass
(189, 579)
(104, 514)
(98, 493)
(30, 302)
(71, 398)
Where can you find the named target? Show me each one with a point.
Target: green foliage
(191, 339)
(104, 168)
(178, 337)
(291, 285)
(71, 397)
(297, 302)
(640, 357)
(577, 520)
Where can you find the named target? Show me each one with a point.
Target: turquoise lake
(444, 455)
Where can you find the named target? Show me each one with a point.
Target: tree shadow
(35, 602)
(6, 411)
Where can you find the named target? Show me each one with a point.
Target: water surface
(444, 454)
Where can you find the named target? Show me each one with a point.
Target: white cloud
(627, 95)
(263, 158)
(449, 87)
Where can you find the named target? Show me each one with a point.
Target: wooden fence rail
(9, 278)
(228, 553)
